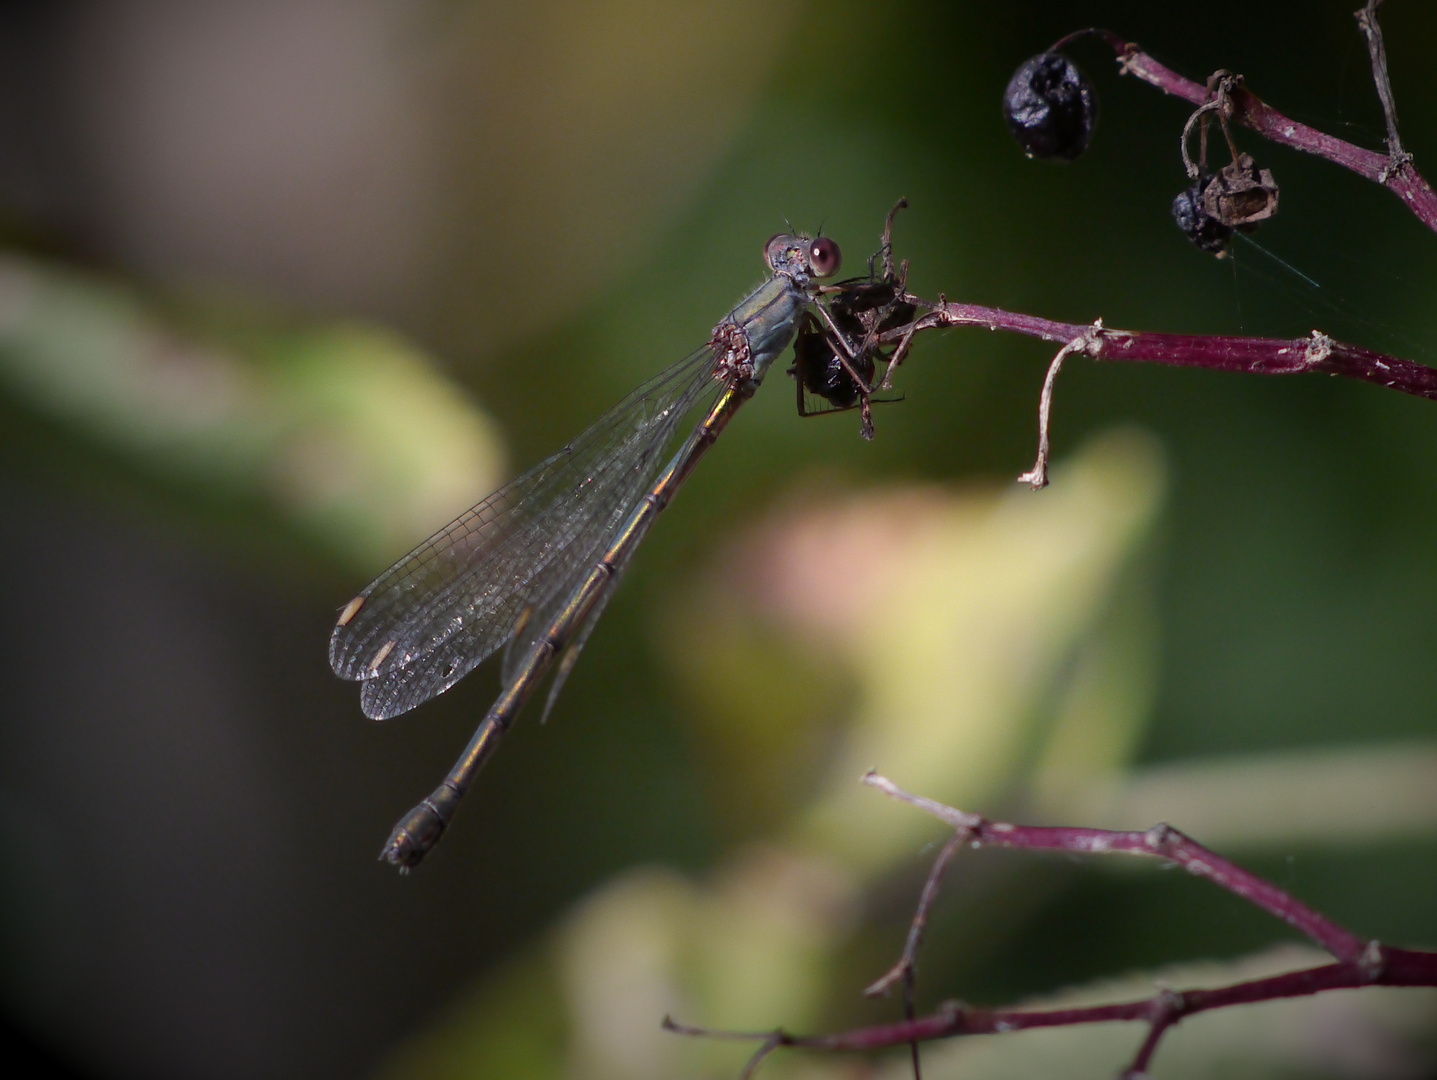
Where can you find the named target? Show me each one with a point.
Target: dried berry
(1241, 194)
(1051, 107)
(1204, 230)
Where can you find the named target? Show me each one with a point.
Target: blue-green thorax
(765, 322)
(769, 318)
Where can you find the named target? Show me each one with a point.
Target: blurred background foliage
(285, 285)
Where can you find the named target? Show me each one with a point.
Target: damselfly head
(801, 257)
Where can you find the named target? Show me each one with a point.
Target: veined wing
(442, 609)
(534, 629)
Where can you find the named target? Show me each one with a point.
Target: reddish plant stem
(1393, 171)
(1359, 962)
(1162, 841)
(1249, 355)
(1398, 967)
(904, 970)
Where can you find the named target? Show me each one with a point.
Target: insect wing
(520, 643)
(456, 598)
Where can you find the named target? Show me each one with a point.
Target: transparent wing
(515, 557)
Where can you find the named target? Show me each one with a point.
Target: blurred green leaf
(351, 433)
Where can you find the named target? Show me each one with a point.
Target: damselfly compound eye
(824, 257)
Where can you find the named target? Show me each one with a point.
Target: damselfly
(531, 567)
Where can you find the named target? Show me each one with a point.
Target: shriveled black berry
(1051, 107)
(861, 309)
(1204, 230)
(822, 373)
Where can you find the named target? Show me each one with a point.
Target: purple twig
(1161, 841)
(905, 972)
(1359, 962)
(1249, 355)
(1399, 967)
(1393, 170)
(907, 963)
